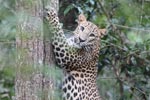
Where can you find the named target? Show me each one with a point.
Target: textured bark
(33, 52)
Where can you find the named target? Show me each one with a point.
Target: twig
(132, 28)
(111, 44)
(105, 12)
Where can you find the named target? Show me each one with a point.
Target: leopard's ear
(81, 18)
(102, 32)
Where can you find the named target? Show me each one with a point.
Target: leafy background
(124, 62)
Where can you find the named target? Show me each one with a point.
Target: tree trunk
(34, 52)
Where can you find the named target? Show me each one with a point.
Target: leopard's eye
(82, 28)
(81, 40)
(92, 35)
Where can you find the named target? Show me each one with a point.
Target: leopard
(78, 57)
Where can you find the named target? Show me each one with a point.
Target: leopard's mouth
(83, 44)
(80, 44)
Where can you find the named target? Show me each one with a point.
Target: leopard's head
(87, 34)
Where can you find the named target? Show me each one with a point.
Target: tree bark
(34, 52)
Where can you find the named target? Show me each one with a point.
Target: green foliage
(7, 49)
(68, 9)
(131, 62)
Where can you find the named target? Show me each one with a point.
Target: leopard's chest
(79, 85)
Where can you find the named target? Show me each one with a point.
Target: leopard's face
(86, 35)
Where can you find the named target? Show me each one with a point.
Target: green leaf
(68, 9)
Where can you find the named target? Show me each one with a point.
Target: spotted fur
(78, 62)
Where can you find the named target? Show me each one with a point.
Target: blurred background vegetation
(124, 62)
